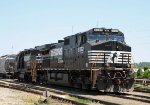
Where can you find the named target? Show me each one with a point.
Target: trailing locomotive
(7, 66)
(95, 59)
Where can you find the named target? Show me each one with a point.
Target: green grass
(29, 99)
(84, 101)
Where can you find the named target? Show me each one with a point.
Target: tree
(146, 74)
(145, 68)
(140, 73)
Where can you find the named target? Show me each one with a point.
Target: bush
(145, 68)
(140, 73)
(146, 74)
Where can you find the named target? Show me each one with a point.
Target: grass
(84, 101)
(29, 99)
(141, 86)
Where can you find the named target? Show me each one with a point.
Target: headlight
(114, 30)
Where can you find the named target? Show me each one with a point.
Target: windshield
(116, 38)
(96, 37)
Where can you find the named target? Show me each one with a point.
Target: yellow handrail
(94, 64)
(33, 73)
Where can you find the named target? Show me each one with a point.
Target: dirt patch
(16, 97)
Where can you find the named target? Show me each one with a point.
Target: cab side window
(81, 39)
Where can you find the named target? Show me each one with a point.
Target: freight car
(7, 65)
(95, 59)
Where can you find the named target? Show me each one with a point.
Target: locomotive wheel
(116, 88)
(108, 86)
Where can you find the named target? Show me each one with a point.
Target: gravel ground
(16, 97)
(131, 98)
(134, 98)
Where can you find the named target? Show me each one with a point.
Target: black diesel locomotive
(95, 59)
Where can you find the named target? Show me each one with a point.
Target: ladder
(33, 71)
(93, 68)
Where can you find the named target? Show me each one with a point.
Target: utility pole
(97, 24)
(12, 48)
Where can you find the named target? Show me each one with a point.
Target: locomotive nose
(112, 46)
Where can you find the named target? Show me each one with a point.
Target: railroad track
(55, 94)
(39, 90)
(92, 96)
(142, 85)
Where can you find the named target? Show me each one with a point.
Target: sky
(27, 23)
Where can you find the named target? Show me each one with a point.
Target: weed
(84, 101)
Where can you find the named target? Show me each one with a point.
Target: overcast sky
(28, 23)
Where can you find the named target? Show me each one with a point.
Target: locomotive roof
(52, 45)
(8, 56)
(98, 30)
(45, 46)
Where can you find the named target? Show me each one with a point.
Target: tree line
(143, 73)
